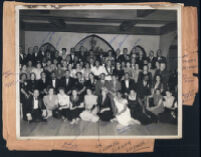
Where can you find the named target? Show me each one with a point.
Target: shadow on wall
(172, 56)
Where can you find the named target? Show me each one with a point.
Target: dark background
(188, 146)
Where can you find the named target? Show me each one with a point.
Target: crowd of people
(130, 87)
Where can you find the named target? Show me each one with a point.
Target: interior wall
(68, 40)
(166, 41)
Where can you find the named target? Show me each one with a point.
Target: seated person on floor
(123, 115)
(155, 102)
(36, 108)
(170, 112)
(76, 107)
(105, 106)
(91, 109)
(64, 103)
(136, 108)
(51, 102)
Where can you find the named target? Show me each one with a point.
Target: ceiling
(138, 22)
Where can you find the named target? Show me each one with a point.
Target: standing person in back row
(124, 57)
(161, 58)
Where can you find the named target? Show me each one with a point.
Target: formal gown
(75, 113)
(90, 112)
(124, 118)
(105, 109)
(137, 112)
(51, 104)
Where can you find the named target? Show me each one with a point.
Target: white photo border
(177, 7)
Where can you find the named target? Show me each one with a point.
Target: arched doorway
(48, 47)
(94, 43)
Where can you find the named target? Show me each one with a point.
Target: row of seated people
(126, 103)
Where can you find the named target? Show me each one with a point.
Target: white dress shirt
(127, 83)
(35, 103)
(54, 83)
(97, 71)
(64, 100)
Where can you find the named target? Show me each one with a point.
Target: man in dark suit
(41, 53)
(152, 60)
(160, 58)
(54, 82)
(124, 57)
(67, 82)
(72, 54)
(127, 84)
(35, 56)
(23, 56)
(36, 110)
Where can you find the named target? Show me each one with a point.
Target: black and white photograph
(99, 71)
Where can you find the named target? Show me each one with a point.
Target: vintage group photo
(98, 72)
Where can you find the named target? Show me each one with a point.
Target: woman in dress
(118, 71)
(38, 71)
(49, 66)
(123, 115)
(110, 57)
(51, 102)
(158, 84)
(91, 109)
(64, 104)
(170, 109)
(91, 83)
(78, 69)
(32, 83)
(136, 108)
(104, 103)
(87, 71)
(80, 85)
(76, 107)
(59, 71)
(29, 68)
(155, 102)
(128, 69)
(64, 65)
(24, 70)
(24, 94)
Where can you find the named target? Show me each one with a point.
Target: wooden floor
(57, 127)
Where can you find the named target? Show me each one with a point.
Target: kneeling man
(36, 108)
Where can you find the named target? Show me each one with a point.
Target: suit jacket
(42, 85)
(123, 58)
(36, 58)
(153, 62)
(57, 84)
(23, 58)
(68, 86)
(131, 85)
(30, 107)
(104, 103)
